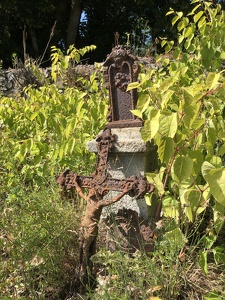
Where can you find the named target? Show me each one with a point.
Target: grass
(40, 255)
(39, 246)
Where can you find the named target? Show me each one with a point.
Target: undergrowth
(39, 245)
(45, 130)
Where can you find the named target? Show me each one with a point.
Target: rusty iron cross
(101, 182)
(99, 185)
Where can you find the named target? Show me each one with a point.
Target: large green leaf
(216, 180)
(193, 199)
(165, 149)
(151, 126)
(191, 105)
(171, 207)
(197, 158)
(212, 80)
(182, 168)
(168, 124)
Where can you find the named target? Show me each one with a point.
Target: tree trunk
(61, 10)
(34, 41)
(74, 21)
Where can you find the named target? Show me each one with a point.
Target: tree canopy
(29, 27)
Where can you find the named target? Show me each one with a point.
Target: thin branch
(50, 38)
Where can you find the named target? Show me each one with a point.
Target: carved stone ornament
(121, 69)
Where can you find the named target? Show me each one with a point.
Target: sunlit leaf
(168, 125)
(165, 149)
(212, 80)
(182, 168)
(216, 180)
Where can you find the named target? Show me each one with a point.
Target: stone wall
(12, 81)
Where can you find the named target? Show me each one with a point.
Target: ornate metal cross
(121, 70)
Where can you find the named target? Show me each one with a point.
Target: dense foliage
(27, 28)
(44, 130)
(182, 102)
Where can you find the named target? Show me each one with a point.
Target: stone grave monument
(122, 159)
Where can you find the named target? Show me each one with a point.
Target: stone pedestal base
(129, 156)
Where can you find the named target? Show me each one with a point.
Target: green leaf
(33, 116)
(137, 113)
(207, 53)
(166, 97)
(151, 126)
(203, 261)
(37, 160)
(193, 199)
(219, 255)
(171, 11)
(180, 14)
(143, 102)
(29, 144)
(148, 199)
(183, 23)
(182, 168)
(133, 85)
(168, 124)
(188, 31)
(191, 106)
(146, 131)
(169, 46)
(180, 38)
(212, 135)
(155, 179)
(197, 158)
(176, 54)
(216, 161)
(222, 150)
(175, 19)
(208, 241)
(198, 16)
(165, 149)
(216, 180)
(222, 55)
(170, 207)
(212, 80)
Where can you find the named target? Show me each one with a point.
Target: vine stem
(211, 92)
(159, 207)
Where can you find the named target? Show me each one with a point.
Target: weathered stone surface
(129, 156)
(127, 140)
(126, 231)
(13, 81)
